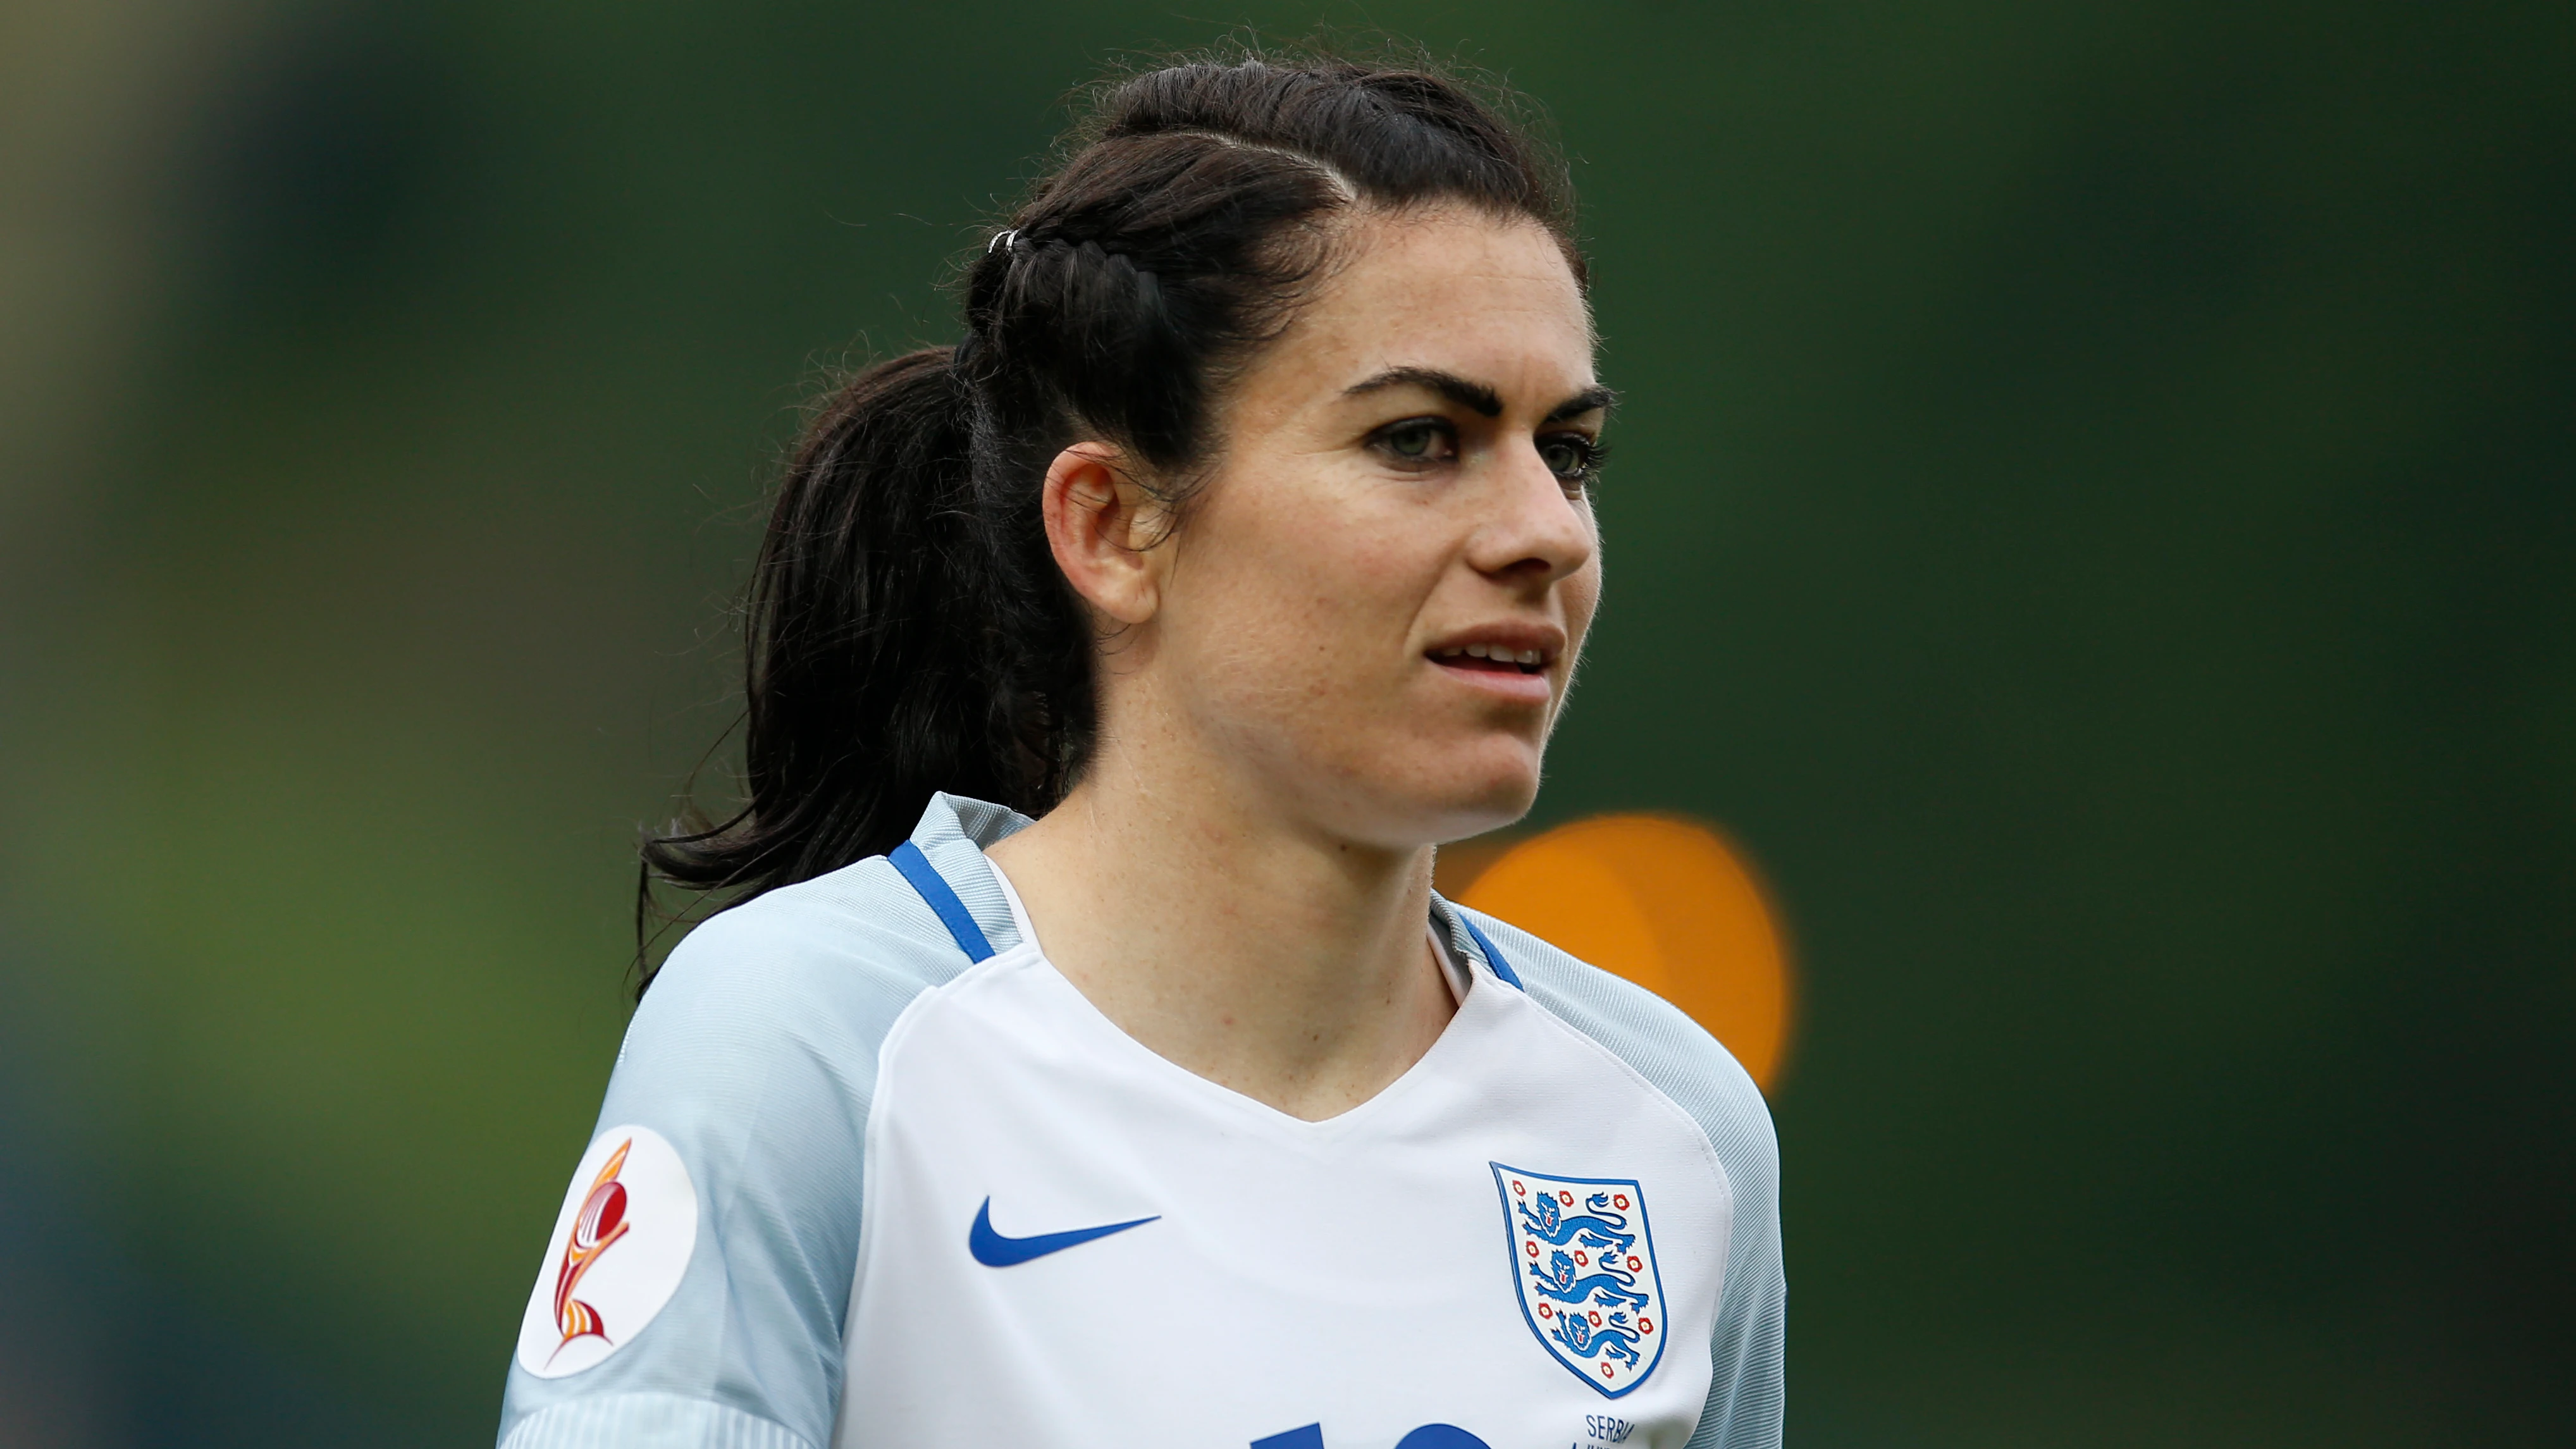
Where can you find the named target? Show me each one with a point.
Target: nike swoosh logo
(995, 1251)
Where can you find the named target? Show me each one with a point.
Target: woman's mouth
(1492, 658)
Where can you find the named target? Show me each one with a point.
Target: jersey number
(1429, 1436)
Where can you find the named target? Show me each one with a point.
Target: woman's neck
(1244, 946)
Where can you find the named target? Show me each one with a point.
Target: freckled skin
(1240, 880)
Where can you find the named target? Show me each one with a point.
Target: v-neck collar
(1476, 995)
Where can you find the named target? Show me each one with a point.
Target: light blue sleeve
(1685, 1063)
(754, 1054)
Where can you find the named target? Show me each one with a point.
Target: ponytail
(874, 676)
(907, 629)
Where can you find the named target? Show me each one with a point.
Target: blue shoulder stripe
(1493, 958)
(952, 912)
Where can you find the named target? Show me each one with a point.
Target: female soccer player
(1246, 541)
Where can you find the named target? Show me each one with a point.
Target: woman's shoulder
(842, 954)
(1676, 1055)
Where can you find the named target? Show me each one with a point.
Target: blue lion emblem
(1610, 1287)
(1600, 1228)
(1615, 1337)
(1584, 1269)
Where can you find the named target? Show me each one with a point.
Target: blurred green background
(2096, 516)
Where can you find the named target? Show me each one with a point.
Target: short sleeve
(750, 1065)
(1746, 1349)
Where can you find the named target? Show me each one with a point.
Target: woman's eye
(1418, 441)
(1573, 458)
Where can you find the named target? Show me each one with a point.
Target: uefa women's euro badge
(1584, 1264)
(618, 1252)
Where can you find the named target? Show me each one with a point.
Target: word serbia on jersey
(871, 1173)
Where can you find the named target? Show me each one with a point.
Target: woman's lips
(1504, 678)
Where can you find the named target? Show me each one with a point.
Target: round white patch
(619, 1249)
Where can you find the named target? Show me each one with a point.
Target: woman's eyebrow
(1476, 395)
(1473, 395)
(1590, 400)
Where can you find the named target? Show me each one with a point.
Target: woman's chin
(1411, 791)
(1464, 806)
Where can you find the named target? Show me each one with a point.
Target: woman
(1246, 541)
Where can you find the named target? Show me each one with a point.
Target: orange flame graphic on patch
(602, 1221)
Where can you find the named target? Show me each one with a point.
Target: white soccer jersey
(871, 1172)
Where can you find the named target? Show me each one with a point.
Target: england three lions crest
(1583, 1262)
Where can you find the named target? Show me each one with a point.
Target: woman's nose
(1536, 530)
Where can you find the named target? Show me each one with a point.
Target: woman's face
(1372, 611)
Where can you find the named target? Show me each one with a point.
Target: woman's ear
(1102, 528)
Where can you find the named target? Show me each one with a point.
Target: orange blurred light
(1666, 903)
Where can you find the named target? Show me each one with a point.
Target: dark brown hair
(908, 630)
